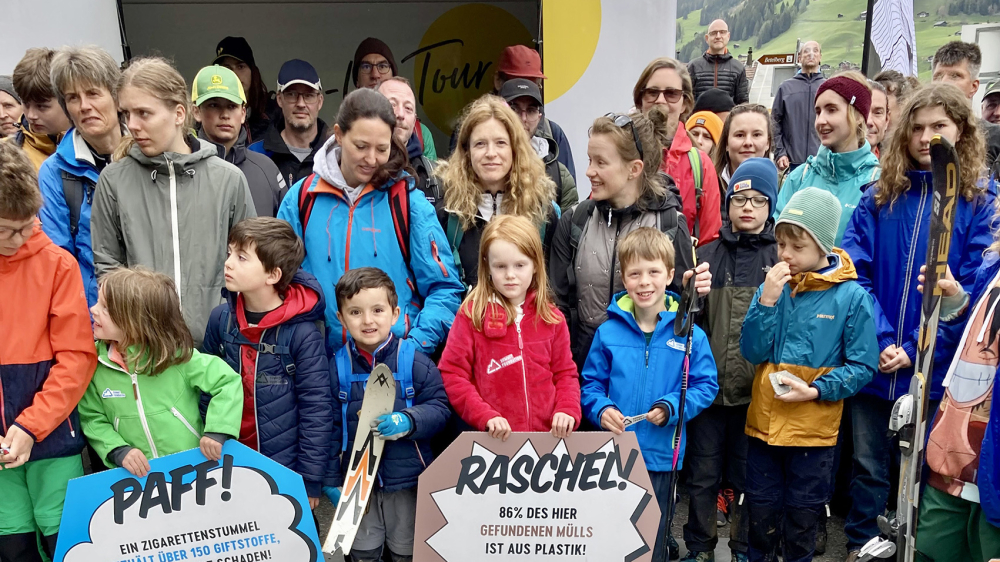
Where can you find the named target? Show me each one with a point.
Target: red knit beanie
(855, 94)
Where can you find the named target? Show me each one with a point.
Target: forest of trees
(981, 7)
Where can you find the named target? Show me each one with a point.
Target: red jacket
(47, 354)
(525, 375)
(677, 165)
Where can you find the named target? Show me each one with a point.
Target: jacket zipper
(614, 253)
(419, 454)
(175, 233)
(117, 419)
(524, 373)
(256, 358)
(72, 432)
(178, 415)
(909, 272)
(142, 414)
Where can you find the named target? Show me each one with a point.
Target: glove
(333, 494)
(392, 426)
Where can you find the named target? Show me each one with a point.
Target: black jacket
(274, 147)
(794, 117)
(720, 71)
(739, 262)
(266, 184)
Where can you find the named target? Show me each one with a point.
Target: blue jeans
(661, 489)
(876, 460)
(787, 488)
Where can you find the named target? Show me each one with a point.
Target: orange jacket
(47, 343)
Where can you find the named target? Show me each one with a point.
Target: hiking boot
(725, 499)
(739, 556)
(852, 556)
(692, 556)
(673, 551)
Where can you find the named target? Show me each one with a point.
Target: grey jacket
(794, 115)
(265, 181)
(171, 213)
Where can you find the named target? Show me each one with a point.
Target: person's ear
(635, 169)
(181, 115)
(273, 276)
(395, 315)
(338, 134)
(319, 105)
(243, 114)
(196, 111)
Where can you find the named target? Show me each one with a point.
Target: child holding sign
(367, 305)
(617, 382)
(46, 359)
(507, 365)
(143, 400)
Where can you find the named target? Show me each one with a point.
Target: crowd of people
(242, 266)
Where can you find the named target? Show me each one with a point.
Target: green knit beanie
(817, 211)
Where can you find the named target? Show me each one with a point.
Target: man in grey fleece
(793, 114)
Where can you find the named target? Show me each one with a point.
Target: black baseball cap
(297, 71)
(236, 47)
(519, 87)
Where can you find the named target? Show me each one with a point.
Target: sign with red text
(587, 497)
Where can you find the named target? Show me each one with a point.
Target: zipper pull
(647, 356)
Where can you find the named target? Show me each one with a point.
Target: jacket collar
(623, 308)
(237, 154)
(384, 350)
(845, 166)
(200, 150)
(35, 243)
(746, 239)
(725, 56)
(45, 144)
(275, 144)
(841, 270)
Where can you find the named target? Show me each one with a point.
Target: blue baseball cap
(298, 71)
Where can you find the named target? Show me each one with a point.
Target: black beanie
(367, 47)
(714, 100)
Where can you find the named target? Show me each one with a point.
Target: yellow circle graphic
(458, 56)
(570, 31)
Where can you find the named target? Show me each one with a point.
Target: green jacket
(159, 415)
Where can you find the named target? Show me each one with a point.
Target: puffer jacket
(821, 330)
(47, 352)
(405, 458)
(341, 235)
(720, 71)
(274, 147)
(171, 213)
(888, 245)
(596, 275)
(38, 147)
(267, 186)
(704, 217)
(739, 262)
(793, 115)
(286, 415)
(624, 372)
(72, 162)
(522, 371)
(159, 415)
(844, 174)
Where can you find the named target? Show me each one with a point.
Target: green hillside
(842, 37)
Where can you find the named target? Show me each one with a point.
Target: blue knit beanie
(759, 174)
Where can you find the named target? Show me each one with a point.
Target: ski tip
(337, 555)
(382, 375)
(939, 143)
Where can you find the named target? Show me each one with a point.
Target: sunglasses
(620, 121)
(672, 95)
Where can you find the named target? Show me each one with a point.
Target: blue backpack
(346, 375)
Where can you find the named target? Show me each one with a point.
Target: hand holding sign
(562, 425)
(498, 428)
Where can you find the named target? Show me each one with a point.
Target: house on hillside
(923, 15)
(941, 23)
(863, 16)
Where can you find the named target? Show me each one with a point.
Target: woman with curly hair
(887, 240)
(493, 171)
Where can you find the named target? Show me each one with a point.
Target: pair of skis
(909, 419)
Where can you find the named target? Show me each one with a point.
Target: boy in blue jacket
(811, 333)
(641, 324)
(367, 306)
(267, 332)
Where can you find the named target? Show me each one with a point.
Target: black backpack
(75, 191)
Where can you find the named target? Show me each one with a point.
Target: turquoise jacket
(844, 174)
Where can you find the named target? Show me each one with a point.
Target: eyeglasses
(718, 32)
(757, 201)
(672, 95)
(308, 97)
(530, 112)
(621, 121)
(6, 232)
(382, 67)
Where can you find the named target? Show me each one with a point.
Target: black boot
(22, 547)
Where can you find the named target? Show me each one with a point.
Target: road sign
(787, 58)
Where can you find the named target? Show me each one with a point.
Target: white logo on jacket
(674, 344)
(507, 361)
(108, 393)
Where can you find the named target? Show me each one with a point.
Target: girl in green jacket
(143, 401)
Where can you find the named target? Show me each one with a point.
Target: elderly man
(10, 107)
(793, 114)
(717, 68)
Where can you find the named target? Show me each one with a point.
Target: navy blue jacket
(404, 459)
(293, 415)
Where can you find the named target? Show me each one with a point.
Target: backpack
(399, 207)
(552, 170)
(75, 191)
(346, 376)
(695, 158)
(454, 232)
(282, 346)
(427, 182)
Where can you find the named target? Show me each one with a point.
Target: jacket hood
(238, 154)
(746, 239)
(200, 150)
(74, 157)
(623, 307)
(543, 138)
(839, 272)
(36, 243)
(844, 166)
(718, 58)
(274, 143)
(681, 143)
(326, 164)
(304, 302)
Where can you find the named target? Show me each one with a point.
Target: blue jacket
(405, 458)
(820, 330)
(342, 236)
(72, 161)
(843, 174)
(888, 245)
(622, 372)
(291, 411)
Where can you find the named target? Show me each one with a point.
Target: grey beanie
(818, 212)
(7, 85)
